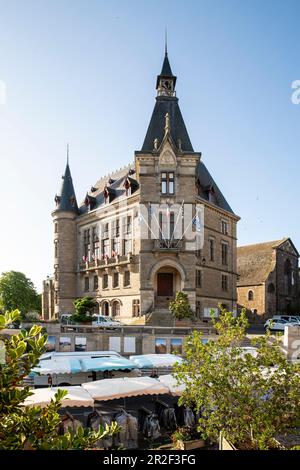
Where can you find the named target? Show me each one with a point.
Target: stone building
(155, 227)
(268, 278)
(48, 294)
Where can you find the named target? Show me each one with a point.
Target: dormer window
(89, 201)
(106, 196)
(167, 183)
(211, 195)
(127, 186)
(57, 199)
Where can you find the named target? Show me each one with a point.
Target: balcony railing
(123, 259)
(173, 245)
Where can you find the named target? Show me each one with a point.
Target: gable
(289, 247)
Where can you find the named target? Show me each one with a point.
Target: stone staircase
(160, 317)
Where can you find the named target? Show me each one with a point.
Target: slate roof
(207, 182)
(166, 68)
(114, 183)
(66, 199)
(255, 262)
(156, 129)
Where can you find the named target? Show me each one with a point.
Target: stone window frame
(86, 286)
(212, 244)
(106, 284)
(129, 278)
(250, 295)
(224, 226)
(136, 307)
(95, 283)
(168, 181)
(115, 277)
(199, 278)
(224, 282)
(225, 262)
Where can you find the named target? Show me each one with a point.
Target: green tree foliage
(180, 307)
(84, 308)
(26, 428)
(18, 292)
(249, 398)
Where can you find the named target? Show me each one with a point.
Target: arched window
(115, 308)
(250, 295)
(105, 308)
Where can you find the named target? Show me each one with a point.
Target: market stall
(109, 389)
(77, 396)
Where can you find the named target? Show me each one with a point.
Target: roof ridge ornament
(167, 124)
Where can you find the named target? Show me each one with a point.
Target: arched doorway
(105, 308)
(115, 308)
(167, 282)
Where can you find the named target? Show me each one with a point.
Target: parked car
(65, 319)
(278, 324)
(289, 318)
(103, 320)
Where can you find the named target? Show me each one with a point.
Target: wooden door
(165, 284)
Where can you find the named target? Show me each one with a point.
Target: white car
(278, 324)
(103, 320)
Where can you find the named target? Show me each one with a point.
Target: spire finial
(166, 42)
(68, 153)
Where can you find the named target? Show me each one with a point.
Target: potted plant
(185, 438)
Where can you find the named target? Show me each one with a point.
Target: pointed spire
(66, 199)
(166, 42)
(166, 80)
(166, 104)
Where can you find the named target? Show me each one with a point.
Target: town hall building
(129, 244)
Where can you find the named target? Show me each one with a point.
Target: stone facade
(159, 226)
(48, 300)
(268, 281)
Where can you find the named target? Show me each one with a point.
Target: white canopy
(109, 389)
(58, 366)
(152, 361)
(170, 382)
(77, 396)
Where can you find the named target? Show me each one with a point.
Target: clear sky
(84, 72)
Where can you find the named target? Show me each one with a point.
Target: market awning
(61, 366)
(107, 363)
(109, 389)
(170, 382)
(152, 361)
(77, 396)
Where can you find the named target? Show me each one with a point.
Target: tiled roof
(255, 262)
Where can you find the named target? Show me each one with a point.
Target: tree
(180, 307)
(18, 292)
(84, 307)
(35, 427)
(250, 398)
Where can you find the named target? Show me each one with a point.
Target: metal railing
(164, 244)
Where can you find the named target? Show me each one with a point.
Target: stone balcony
(168, 245)
(108, 262)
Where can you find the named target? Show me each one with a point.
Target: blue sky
(84, 72)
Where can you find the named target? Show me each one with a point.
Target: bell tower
(166, 81)
(64, 221)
